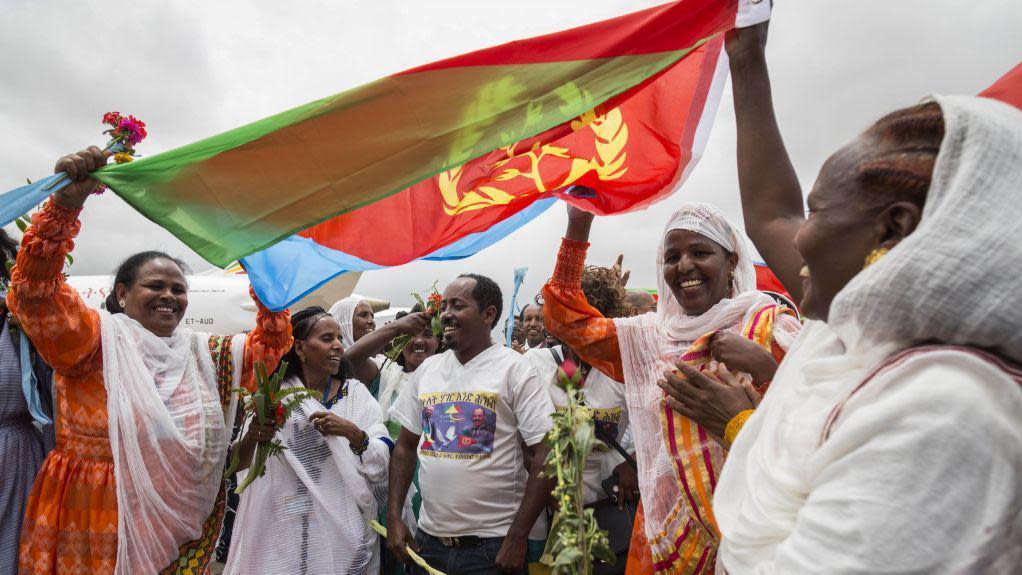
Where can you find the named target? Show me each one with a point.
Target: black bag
(616, 522)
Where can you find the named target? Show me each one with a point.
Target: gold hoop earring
(121, 303)
(874, 256)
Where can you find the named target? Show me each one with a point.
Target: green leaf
(295, 394)
(584, 439)
(418, 298)
(567, 556)
(22, 225)
(438, 329)
(235, 461)
(260, 406)
(70, 260)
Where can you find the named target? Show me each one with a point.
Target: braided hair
(898, 166)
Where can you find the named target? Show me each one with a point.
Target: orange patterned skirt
(71, 517)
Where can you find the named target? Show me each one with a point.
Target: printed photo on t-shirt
(458, 425)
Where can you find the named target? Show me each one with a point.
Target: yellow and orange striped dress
(688, 543)
(71, 517)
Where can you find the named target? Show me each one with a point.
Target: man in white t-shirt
(465, 415)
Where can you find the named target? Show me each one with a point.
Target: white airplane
(218, 300)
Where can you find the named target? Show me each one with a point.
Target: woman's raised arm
(566, 312)
(771, 194)
(64, 330)
(268, 342)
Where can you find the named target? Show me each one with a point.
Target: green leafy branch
(268, 403)
(575, 538)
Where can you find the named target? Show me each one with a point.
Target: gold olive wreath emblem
(611, 135)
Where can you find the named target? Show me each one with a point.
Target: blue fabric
(519, 280)
(20, 201)
(291, 269)
(29, 383)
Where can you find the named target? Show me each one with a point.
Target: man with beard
(480, 525)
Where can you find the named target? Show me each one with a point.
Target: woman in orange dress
(709, 315)
(79, 519)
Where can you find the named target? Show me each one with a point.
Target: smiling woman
(307, 514)
(707, 285)
(142, 405)
(150, 287)
(890, 440)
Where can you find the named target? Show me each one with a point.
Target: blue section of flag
(289, 270)
(20, 201)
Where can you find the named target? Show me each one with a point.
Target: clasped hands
(712, 396)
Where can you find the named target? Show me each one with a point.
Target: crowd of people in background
(879, 435)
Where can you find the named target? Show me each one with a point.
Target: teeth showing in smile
(449, 329)
(691, 283)
(164, 309)
(804, 272)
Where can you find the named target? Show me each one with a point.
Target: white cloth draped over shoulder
(167, 437)
(921, 469)
(310, 512)
(651, 343)
(344, 312)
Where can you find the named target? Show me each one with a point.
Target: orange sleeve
(267, 343)
(570, 318)
(61, 327)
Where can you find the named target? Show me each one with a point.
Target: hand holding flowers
(125, 133)
(431, 307)
(268, 408)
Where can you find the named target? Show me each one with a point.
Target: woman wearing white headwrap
(707, 285)
(891, 439)
(355, 316)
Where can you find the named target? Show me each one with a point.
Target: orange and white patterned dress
(71, 517)
(686, 542)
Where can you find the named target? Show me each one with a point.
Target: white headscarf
(344, 312)
(681, 330)
(954, 280)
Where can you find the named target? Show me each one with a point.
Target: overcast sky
(193, 69)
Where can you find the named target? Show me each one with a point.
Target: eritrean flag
(443, 160)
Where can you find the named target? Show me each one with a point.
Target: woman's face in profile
(839, 231)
